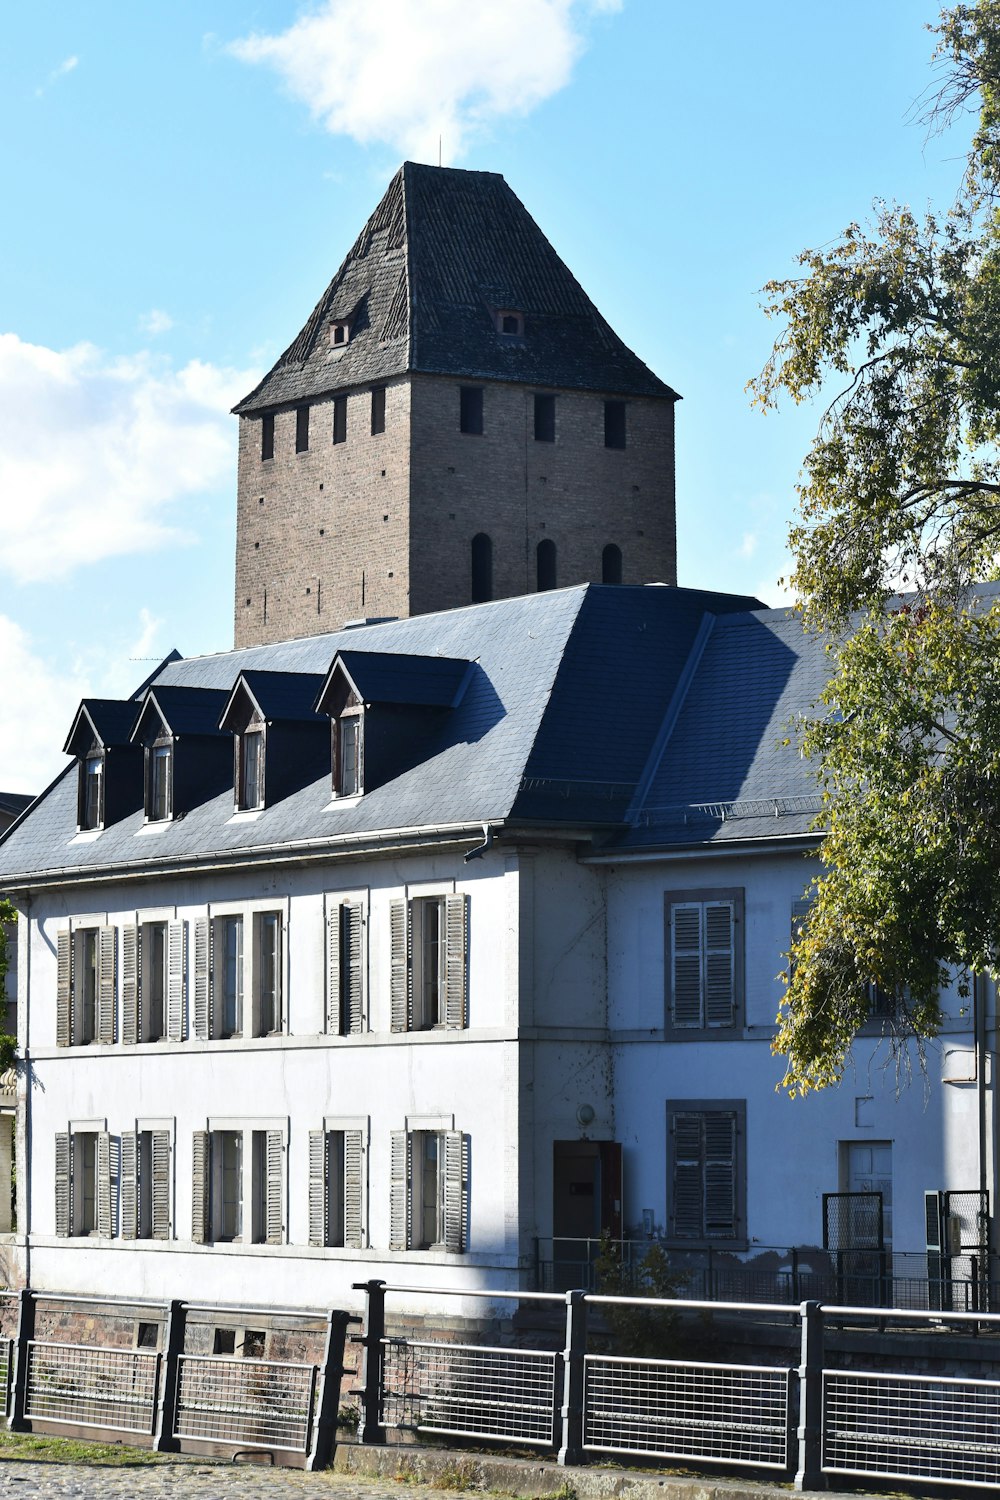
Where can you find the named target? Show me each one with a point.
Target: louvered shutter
(64, 1191)
(454, 1190)
(106, 996)
(130, 985)
(130, 1185)
(104, 1184)
(317, 1187)
(175, 981)
(64, 990)
(720, 975)
(456, 947)
(275, 1161)
(353, 1189)
(685, 940)
(203, 979)
(401, 983)
(688, 1194)
(399, 1191)
(160, 1154)
(201, 1163)
(333, 942)
(354, 924)
(720, 1175)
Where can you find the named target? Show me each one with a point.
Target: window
(154, 958)
(83, 1183)
(340, 419)
(378, 409)
(706, 1164)
(301, 429)
(227, 997)
(611, 564)
(91, 795)
(238, 1176)
(345, 969)
(86, 981)
(429, 939)
(470, 409)
(482, 568)
(340, 333)
(159, 781)
(250, 767)
(267, 973)
(510, 322)
(347, 753)
(429, 1193)
(545, 565)
(545, 419)
(337, 1187)
(145, 1184)
(614, 424)
(704, 961)
(267, 436)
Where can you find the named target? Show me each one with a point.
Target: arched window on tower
(545, 564)
(611, 564)
(482, 568)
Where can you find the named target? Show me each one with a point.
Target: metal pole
(165, 1440)
(571, 1412)
(25, 1333)
(325, 1431)
(370, 1429)
(810, 1429)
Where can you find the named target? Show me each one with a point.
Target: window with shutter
(345, 969)
(274, 1163)
(226, 977)
(107, 996)
(64, 990)
(707, 1169)
(161, 1184)
(103, 1185)
(317, 1187)
(155, 976)
(63, 1184)
(84, 984)
(131, 1025)
(400, 969)
(429, 1206)
(203, 979)
(399, 1191)
(704, 962)
(354, 1189)
(201, 1166)
(267, 973)
(130, 1185)
(176, 956)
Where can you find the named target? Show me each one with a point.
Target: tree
(901, 492)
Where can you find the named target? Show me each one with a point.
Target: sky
(182, 180)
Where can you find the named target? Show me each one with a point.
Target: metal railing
(114, 1389)
(255, 1403)
(465, 1390)
(6, 1371)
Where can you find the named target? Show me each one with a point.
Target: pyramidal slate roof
(444, 251)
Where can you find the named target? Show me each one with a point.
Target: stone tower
(455, 422)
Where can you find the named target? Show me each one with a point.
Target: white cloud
(406, 72)
(66, 66)
(97, 452)
(748, 546)
(31, 739)
(156, 321)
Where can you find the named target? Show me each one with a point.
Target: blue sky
(182, 180)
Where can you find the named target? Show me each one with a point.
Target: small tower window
(545, 564)
(470, 409)
(511, 323)
(340, 419)
(611, 564)
(614, 424)
(545, 419)
(340, 332)
(482, 568)
(267, 435)
(301, 429)
(378, 409)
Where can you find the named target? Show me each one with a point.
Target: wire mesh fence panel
(112, 1388)
(464, 1390)
(942, 1430)
(249, 1402)
(731, 1414)
(6, 1366)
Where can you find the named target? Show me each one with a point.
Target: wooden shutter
(401, 976)
(275, 1161)
(685, 952)
(688, 1185)
(175, 981)
(333, 941)
(317, 1187)
(399, 1191)
(130, 1185)
(64, 991)
(456, 946)
(203, 979)
(720, 976)
(354, 922)
(106, 953)
(353, 1189)
(201, 1166)
(160, 1154)
(720, 1175)
(454, 1190)
(64, 1187)
(104, 1184)
(131, 1025)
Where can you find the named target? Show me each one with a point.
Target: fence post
(325, 1428)
(164, 1440)
(25, 1332)
(370, 1429)
(571, 1412)
(810, 1429)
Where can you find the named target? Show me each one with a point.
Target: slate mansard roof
(444, 251)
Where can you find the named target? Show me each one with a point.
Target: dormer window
(91, 811)
(340, 333)
(347, 752)
(510, 323)
(250, 767)
(159, 781)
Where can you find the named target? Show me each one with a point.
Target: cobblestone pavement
(41, 1479)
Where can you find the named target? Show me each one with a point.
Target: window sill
(246, 814)
(86, 835)
(153, 825)
(336, 804)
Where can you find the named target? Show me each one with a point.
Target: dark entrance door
(586, 1204)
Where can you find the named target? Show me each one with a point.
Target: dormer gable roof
(277, 697)
(108, 721)
(394, 678)
(181, 711)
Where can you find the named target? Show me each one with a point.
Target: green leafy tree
(901, 492)
(642, 1333)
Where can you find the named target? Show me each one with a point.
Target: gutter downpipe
(483, 848)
